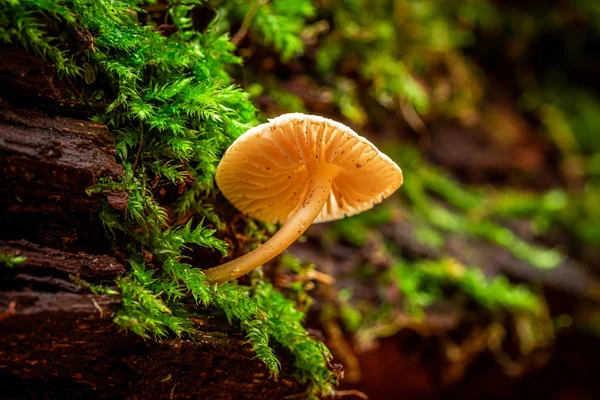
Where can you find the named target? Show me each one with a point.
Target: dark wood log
(52, 159)
(42, 260)
(58, 342)
(28, 81)
(46, 164)
(65, 345)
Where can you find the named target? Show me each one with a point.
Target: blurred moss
(356, 229)
(11, 260)
(286, 100)
(451, 207)
(423, 282)
(400, 47)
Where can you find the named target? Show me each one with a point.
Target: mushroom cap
(265, 172)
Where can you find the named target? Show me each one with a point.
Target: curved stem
(317, 195)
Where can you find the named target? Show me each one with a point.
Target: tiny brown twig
(139, 152)
(11, 310)
(414, 120)
(351, 392)
(237, 38)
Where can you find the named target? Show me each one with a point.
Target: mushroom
(298, 169)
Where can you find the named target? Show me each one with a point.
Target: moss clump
(398, 46)
(174, 110)
(422, 283)
(276, 23)
(11, 260)
(463, 216)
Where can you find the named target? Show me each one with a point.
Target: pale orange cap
(265, 172)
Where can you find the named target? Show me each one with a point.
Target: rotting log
(57, 340)
(28, 81)
(65, 345)
(44, 260)
(49, 161)
(46, 164)
(50, 269)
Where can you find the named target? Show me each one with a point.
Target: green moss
(350, 315)
(21, 24)
(145, 313)
(267, 317)
(277, 23)
(425, 282)
(422, 283)
(356, 229)
(10, 260)
(397, 46)
(93, 287)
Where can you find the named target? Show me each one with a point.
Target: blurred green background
(479, 277)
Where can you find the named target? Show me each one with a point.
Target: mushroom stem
(296, 225)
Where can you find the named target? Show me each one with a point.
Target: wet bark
(46, 164)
